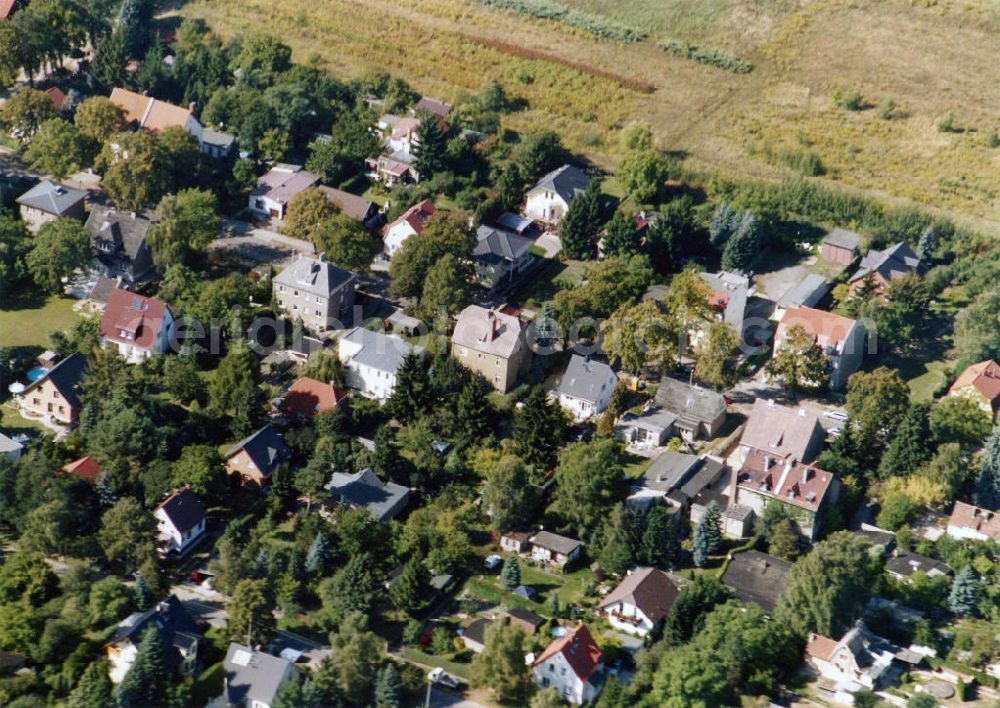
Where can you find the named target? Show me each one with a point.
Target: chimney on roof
(193, 107)
(493, 324)
(805, 473)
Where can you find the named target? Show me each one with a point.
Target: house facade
(572, 665)
(410, 223)
(840, 246)
(316, 292)
(585, 387)
(640, 602)
(548, 201)
(980, 383)
(859, 658)
(973, 522)
(275, 189)
(700, 412)
(180, 522)
(491, 343)
(840, 338)
(371, 360)
(48, 201)
(254, 458)
(55, 397)
(553, 549)
(118, 240)
(500, 256)
(136, 326)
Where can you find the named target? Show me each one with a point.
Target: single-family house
(840, 338)
(153, 115)
(902, 564)
(55, 397)
(363, 490)
(119, 241)
(728, 298)
(840, 246)
(572, 664)
(307, 398)
(410, 223)
(882, 267)
(700, 412)
(808, 292)
(136, 326)
(252, 678)
(359, 208)
(756, 577)
(371, 360)
(10, 449)
(217, 144)
(802, 490)
(491, 343)
(861, 660)
(553, 549)
(549, 199)
(275, 189)
(525, 619)
(980, 383)
(48, 201)
(86, 468)
(640, 602)
(431, 105)
(516, 541)
(585, 387)
(653, 427)
(399, 167)
(969, 521)
(180, 522)
(500, 256)
(675, 478)
(317, 292)
(781, 432)
(474, 634)
(177, 631)
(254, 458)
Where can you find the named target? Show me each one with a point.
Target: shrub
(887, 111)
(852, 101)
(719, 58)
(588, 22)
(993, 140)
(805, 162)
(947, 123)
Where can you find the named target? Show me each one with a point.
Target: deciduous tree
(59, 149)
(799, 362)
(346, 242)
(188, 221)
(59, 248)
(501, 665)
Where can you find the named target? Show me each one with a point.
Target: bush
(887, 111)
(806, 162)
(947, 123)
(719, 58)
(548, 10)
(412, 631)
(993, 140)
(852, 101)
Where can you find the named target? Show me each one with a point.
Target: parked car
(492, 562)
(442, 677)
(836, 415)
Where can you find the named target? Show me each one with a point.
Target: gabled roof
(476, 630)
(170, 618)
(364, 490)
(830, 331)
(253, 677)
(554, 542)
(696, 402)
(567, 181)
(526, 617)
(415, 216)
(307, 397)
(126, 230)
(842, 238)
(217, 138)
(86, 468)
(793, 482)
(438, 108)
(350, 204)
(101, 291)
(495, 245)
(670, 470)
(891, 263)
(728, 296)
(57, 97)
(265, 448)
(379, 351)
(9, 445)
(984, 377)
(757, 577)
(66, 376)
(148, 112)
(648, 589)
(585, 380)
(283, 182)
(184, 510)
(52, 198)
(579, 649)
(974, 518)
(488, 331)
(7, 7)
(141, 317)
(316, 275)
(906, 563)
(513, 222)
(780, 430)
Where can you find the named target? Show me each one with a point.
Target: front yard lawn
(416, 656)
(31, 325)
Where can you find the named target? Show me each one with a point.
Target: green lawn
(570, 588)
(208, 685)
(414, 655)
(31, 325)
(922, 387)
(544, 285)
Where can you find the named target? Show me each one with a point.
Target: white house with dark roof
(700, 412)
(500, 255)
(364, 490)
(371, 360)
(252, 678)
(640, 602)
(118, 240)
(276, 188)
(180, 522)
(48, 201)
(549, 199)
(553, 549)
(317, 292)
(585, 387)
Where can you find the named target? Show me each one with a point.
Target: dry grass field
(929, 57)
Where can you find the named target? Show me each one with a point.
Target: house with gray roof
(371, 360)
(549, 199)
(756, 577)
(728, 298)
(48, 201)
(653, 427)
(585, 387)
(364, 210)
(118, 240)
(840, 246)
(882, 267)
(500, 255)
(254, 458)
(553, 549)
(700, 412)
(276, 188)
(177, 631)
(674, 479)
(252, 678)
(806, 293)
(363, 490)
(316, 292)
(217, 144)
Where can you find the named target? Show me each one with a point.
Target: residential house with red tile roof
(969, 521)
(154, 115)
(840, 338)
(981, 383)
(410, 223)
(86, 468)
(137, 326)
(572, 665)
(306, 398)
(640, 602)
(804, 491)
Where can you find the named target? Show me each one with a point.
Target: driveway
(258, 245)
(550, 242)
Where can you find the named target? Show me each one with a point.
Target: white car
(442, 677)
(492, 562)
(836, 415)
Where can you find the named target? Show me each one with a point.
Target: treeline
(719, 58)
(586, 21)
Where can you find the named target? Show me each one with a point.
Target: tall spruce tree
(713, 527)
(988, 483)
(431, 145)
(141, 592)
(413, 393)
(93, 690)
(581, 224)
(474, 410)
(318, 555)
(620, 236)
(723, 223)
(963, 600)
(911, 446)
(744, 245)
(411, 589)
(539, 426)
(147, 680)
(510, 576)
(388, 687)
